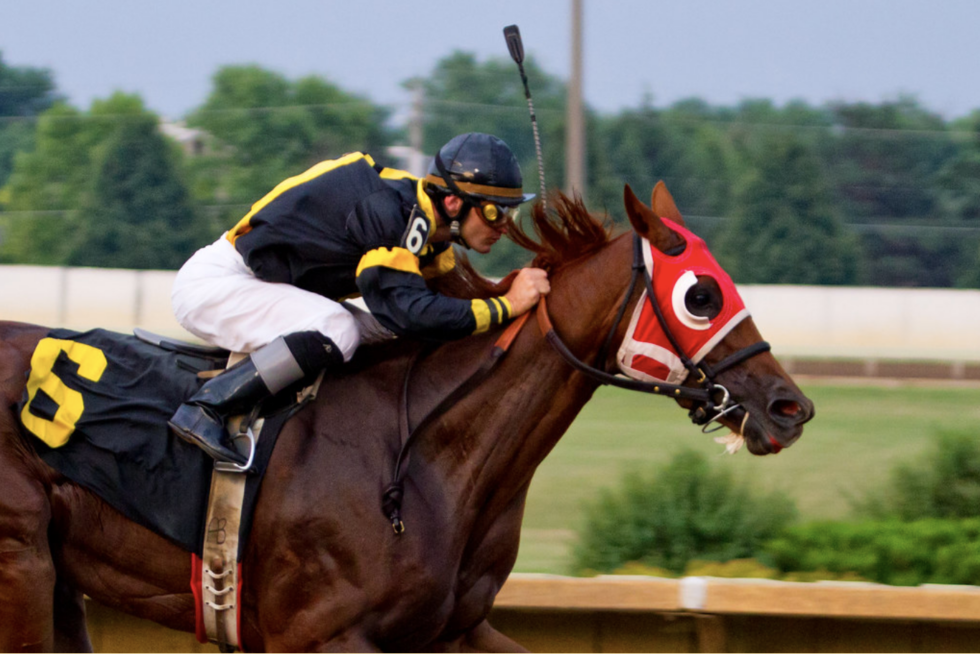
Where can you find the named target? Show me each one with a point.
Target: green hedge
(944, 483)
(890, 552)
(683, 511)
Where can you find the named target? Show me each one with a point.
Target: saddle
(96, 407)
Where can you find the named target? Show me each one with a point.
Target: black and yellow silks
(348, 227)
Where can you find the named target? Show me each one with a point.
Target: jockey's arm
(402, 302)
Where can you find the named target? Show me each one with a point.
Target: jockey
(272, 285)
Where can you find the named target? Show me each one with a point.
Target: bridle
(712, 399)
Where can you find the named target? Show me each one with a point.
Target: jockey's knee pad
(313, 351)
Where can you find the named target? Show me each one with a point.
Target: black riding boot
(201, 419)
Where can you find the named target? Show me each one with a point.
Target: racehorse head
(678, 328)
(698, 332)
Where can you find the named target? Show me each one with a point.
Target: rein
(391, 499)
(714, 400)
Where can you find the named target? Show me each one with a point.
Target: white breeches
(217, 298)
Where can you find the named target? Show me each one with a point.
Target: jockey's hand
(528, 287)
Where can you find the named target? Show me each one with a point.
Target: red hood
(646, 353)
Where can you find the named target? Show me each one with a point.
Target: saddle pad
(97, 404)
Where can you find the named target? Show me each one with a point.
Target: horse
(323, 570)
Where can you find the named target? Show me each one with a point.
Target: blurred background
(828, 151)
(842, 139)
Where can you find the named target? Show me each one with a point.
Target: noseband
(713, 400)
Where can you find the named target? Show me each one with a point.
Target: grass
(858, 435)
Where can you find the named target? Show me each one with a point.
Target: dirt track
(882, 370)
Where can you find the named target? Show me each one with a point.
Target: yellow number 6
(91, 364)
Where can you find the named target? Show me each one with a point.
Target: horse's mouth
(761, 435)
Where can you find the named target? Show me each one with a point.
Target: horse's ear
(646, 223)
(663, 204)
(638, 213)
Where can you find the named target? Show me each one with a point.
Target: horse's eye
(693, 299)
(704, 299)
(698, 297)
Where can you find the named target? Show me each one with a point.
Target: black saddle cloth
(122, 448)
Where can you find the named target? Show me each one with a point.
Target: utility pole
(411, 156)
(575, 124)
(417, 161)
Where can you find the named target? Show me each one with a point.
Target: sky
(721, 51)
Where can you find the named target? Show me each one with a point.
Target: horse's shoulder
(17, 343)
(21, 335)
(377, 360)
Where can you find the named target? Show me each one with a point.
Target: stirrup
(230, 466)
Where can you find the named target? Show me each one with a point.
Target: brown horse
(323, 569)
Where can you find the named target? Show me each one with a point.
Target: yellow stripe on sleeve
(482, 314)
(394, 173)
(243, 226)
(507, 308)
(395, 258)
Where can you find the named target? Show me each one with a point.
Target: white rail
(799, 321)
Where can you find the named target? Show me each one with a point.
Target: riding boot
(201, 419)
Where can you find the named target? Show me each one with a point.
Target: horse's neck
(507, 426)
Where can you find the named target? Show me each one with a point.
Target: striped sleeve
(489, 313)
(398, 297)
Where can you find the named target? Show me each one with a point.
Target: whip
(516, 47)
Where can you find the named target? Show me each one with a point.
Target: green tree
(266, 128)
(885, 163)
(25, 92)
(685, 146)
(463, 94)
(784, 227)
(138, 214)
(48, 184)
(883, 158)
(638, 148)
(958, 192)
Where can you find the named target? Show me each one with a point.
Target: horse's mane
(565, 232)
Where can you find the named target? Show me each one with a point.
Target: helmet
(479, 167)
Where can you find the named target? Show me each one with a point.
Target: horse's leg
(70, 632)
(27, 574)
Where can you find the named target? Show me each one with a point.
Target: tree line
(883, 194)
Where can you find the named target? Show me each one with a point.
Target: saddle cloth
(97, 405)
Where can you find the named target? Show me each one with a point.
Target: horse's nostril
(786, 408)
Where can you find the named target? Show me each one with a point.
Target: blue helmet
(480, 168)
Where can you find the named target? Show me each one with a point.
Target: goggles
(496, 215)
